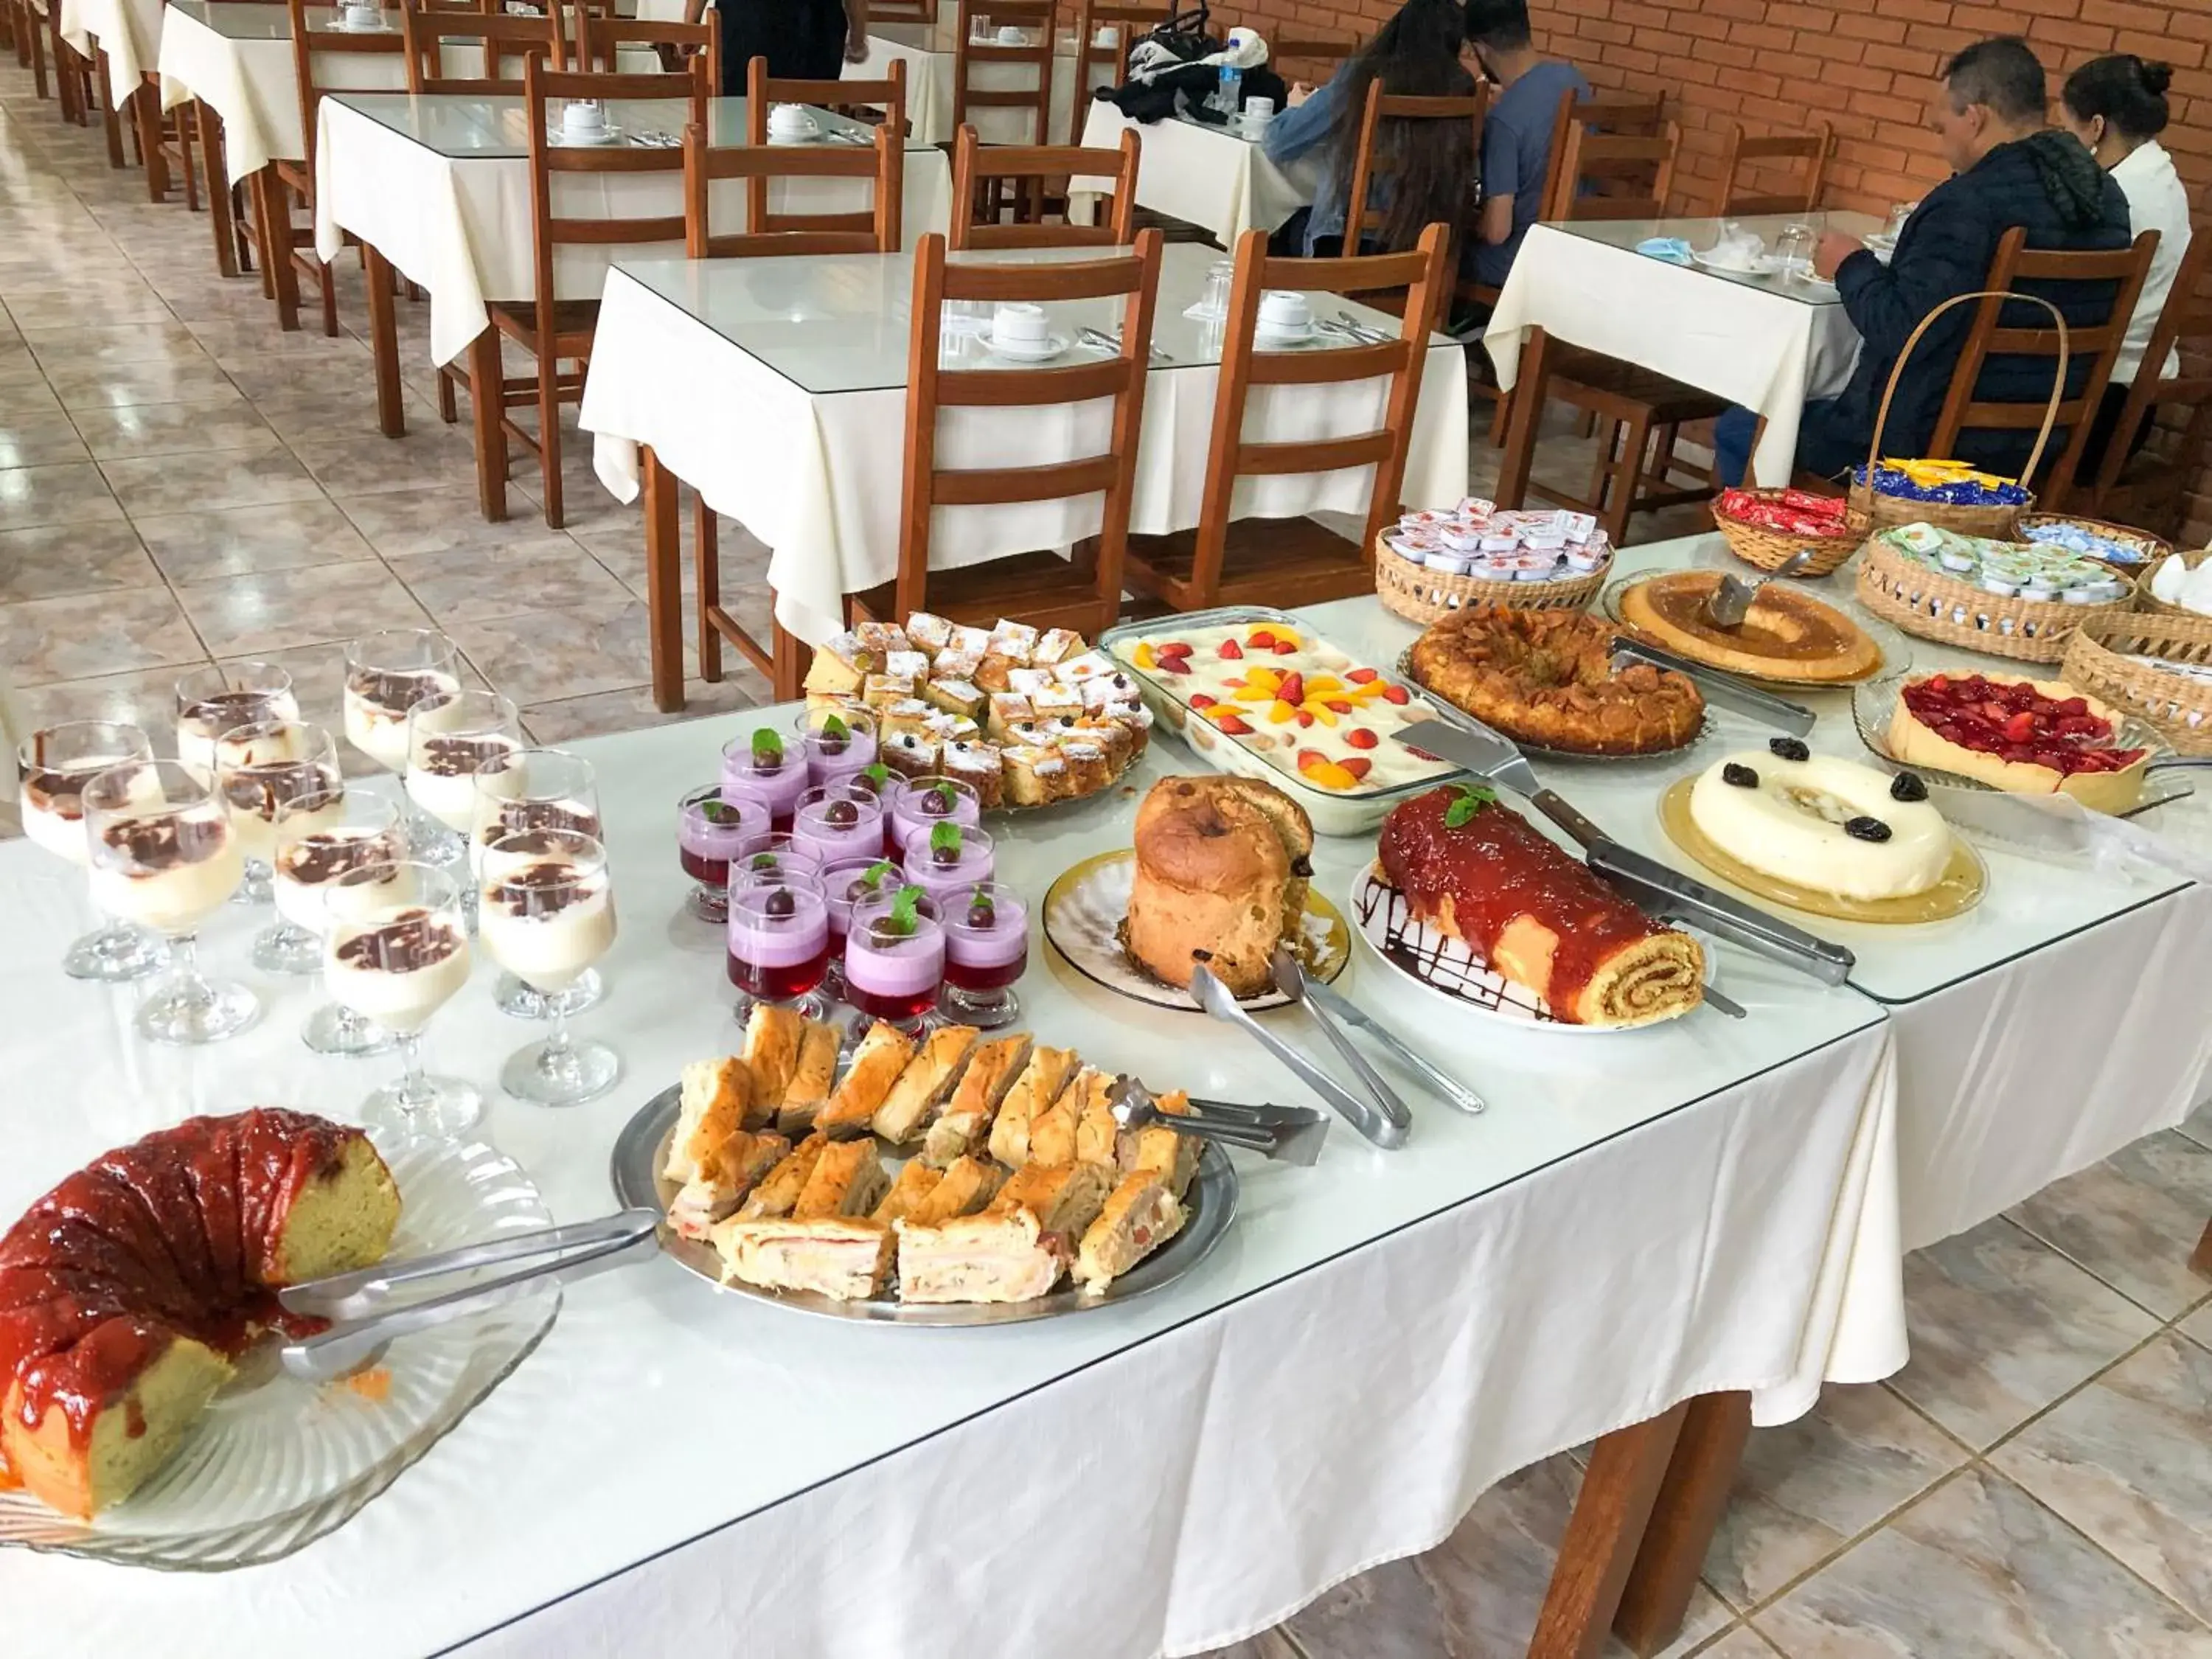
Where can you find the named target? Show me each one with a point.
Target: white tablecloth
(1204, 175)
(1765, 351)
(251, 85)
(128, 30)
(929, 92)
(461, 227)
(1637, 1218)
(816, 477)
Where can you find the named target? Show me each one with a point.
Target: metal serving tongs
(1322, 1001)
(359, 1302)
(1383, 1118)
(1728, 603)
(1289, 1135)
(1725, 689)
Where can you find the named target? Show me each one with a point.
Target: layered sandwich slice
(714, 1098)
(964, 1124)
(726, 1176)
(771, 1048)
(811, 1079)
(851, 1109)
(1016, 1249)
(929, 1077)
(1033, 1094)
(1139, 1216)
(1054, 1132)
(829, 1243)
(1172, 1157)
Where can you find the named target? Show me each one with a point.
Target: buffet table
(1205, 175)
(1635, 1220)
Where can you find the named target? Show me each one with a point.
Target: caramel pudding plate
(378, 702)
(543, 914)
(1823, 823)
(1788, 636)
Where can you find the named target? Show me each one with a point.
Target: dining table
(777, 389)
(1210, 174)
(1637, 1220)
(1765, 338)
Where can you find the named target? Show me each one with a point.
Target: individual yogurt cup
(1444, 564)
(1993, 583)
(1460, 538)
(1534, 567)
(925, 859)
(2040, 589)
(1502, 542)
(1427, 519)
(922, 803)
(1416, 544)
(1492, 569)
(760, 763)
(1584, 560)
(1952, 558)
(1577, 526)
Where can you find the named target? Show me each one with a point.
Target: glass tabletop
(1701, 234)
(840, 324)
(488, 128)
(255, 20)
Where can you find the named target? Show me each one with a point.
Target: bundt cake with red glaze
(126, 1292)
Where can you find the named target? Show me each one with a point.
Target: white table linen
(459, 224)
(1206, 176)
(1637, 1219)
(128, 30)
(1750, 344)
(814, 474)
(929, 75)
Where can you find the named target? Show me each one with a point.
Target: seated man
(1517, 134)
(2009, 169)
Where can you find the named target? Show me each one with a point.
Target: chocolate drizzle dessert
(517, 817)
(226, 711)
(540, 889)
(155, 846)
(262, 790)
(324, 856)
(412, 940)
(395, 691)
(453, 757)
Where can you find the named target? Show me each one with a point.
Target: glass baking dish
(1334, 811)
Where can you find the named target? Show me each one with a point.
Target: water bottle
(1229, 91)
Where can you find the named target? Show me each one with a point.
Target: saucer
(813, 135)
(1273, 334)
(607, 134)
(1043, 351)
(1761, 264)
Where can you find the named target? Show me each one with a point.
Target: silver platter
(641, 1151)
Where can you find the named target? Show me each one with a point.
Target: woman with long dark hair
(1429, 165)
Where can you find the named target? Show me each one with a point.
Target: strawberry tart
(2029, 736)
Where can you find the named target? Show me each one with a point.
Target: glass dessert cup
(763, 857)
(843, 884)
(986, 949)
(213, 701)
(895, 958)
(924, 803)
(545, 912)
(948, 860)
(837, 821)
(837, 742)
(164, 854)
(54, 765)
(319, 839)
(712, 830)
(448, 737)
(397, 950)
(261, 770)
(762, 765)
(534, 789)
(387, 673)
(779, 944)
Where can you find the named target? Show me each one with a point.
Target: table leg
(1527, 415)
(384, 344)
(2201, 1263)
(1686, 1513)
(792, 658)
(1625, 1469)
(487, 405)
(664, 582)
(218, 183)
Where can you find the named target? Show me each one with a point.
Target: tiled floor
(179, 481)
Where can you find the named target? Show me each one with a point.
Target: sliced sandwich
(715, 1097)
(913, 1186)
(811, 1079)
(964, 1124)
(1003, 1256)
(965, 1187)
(1172, 1157)
(1051, 1132)
(848, 1180)
(1097, 1133)
(845, 1258)
(1139, 1216)
(1034, 1091)
(779, 1190)
(1066, 1197)
(921, 1088)
(771, 1050)
(851, 1109)
(725, 1179)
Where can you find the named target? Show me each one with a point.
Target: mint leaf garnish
(874, 874)
(720, 811)
(905, 914)
(1473, 797)
(945, 838)
(768, 743)
(834, 727)
(879, 774)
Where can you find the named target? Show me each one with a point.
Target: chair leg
(706, 559)
(2201, 1263)
(39, 61)
(1622, 505)
(326, 278)
(449, 410)
(548, 435)
(486, 401)
(273, 208)
(111, 120)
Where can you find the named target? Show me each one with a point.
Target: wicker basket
(2151, 548)
(2158, 607)
(1423, 596)
(1936, 606)
(1870, 510)
(2180, 707)
(1769, 549)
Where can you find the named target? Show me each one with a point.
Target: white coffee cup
(583, 116)
(1008, 35)
(1258, 112)
(791, 121)
(1018, 325)
(1285, 311)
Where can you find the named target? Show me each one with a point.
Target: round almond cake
(1546, 676)
(1787, 634)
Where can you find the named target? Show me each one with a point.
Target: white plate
(1045, 350)
(813, 138)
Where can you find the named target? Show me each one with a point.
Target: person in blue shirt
(1516, 136)
(1431, 163)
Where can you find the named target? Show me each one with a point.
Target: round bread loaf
(1221, 875)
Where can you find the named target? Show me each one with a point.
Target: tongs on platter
(1289, 1135)
(1725, 690)
(361, 1304)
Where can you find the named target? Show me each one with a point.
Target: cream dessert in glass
(545, 912)
(986, 949)
(779, 943)
(396, 951)
(212, 700)
(762, 765)
(164, 855)
(895, 957)
(948, 859)
(320, 838)
(54, 765)
(387, 673)
(711, 834)
(258, 768)
(534, 789)
(838, 741)
(448, 737)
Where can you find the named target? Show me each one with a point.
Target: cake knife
(1725, 690)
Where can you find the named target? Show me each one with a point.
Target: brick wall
(1864, 65)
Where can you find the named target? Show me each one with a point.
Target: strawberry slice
(1174, 666)
(1361, 676)
(1200, 699)
(1285, 647)
(2021, 727)
(1175, 648)
(1397, 694)
(1360, 738)
(1293, 688)
(1260, 639)
(1235, 726)
(1231, 649)
(1312, 757)
(1336, 705)
(1304, 719)
(1359, 765)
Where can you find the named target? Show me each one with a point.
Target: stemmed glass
(387, 673)
(986, 949)
(55, 765)
(534, 789)
(320, 838)
(259, 767)
(212, 700)
(545, 911)
(396, 951)
(164, 854)
(711, 832)
(778, 941)
(448, 739)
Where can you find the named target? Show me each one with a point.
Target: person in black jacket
(2009, 169)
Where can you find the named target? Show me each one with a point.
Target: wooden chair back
(1420, 272)
(875, 229)
(2155, 492)
(1037, 20)
(503, 38)
(903, 11)
(2020, 269)
(1810, 151)
(1319, 52)
(1368, 164)
(763, 91)
(1131, 274)
(978, 168)
(313, 52)
(1620, 117)
(1609, 176)
(1131, 22)
(600, 42)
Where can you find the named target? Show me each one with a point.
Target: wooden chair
(1595, 117)
(882, 101)
(903, 11)
(600, 41)
(1131, 22)
(552, 331)
(2150, 487)
(1812, 150)
(1320, 50)
(977, 168)
(1037, 20)
(288, 252)
(771, 235)
(2021, 269)
(504, 40)
(1296, 560)
(1082, 592)
(1370, 164)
